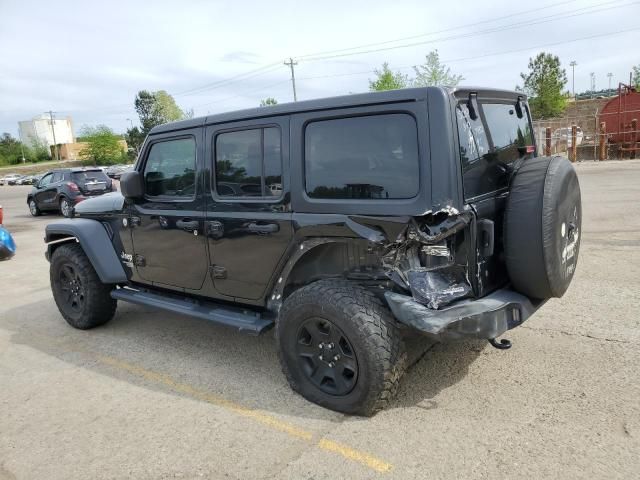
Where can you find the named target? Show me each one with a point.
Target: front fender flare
(95, 242)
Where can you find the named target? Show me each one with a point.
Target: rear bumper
(483, 318)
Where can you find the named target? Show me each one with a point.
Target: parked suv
(346, 223)
(62, 189)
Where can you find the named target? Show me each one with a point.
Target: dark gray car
(61, 189)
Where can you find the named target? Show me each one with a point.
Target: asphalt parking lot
(155, 395)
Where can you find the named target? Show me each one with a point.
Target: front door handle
(187, 224)
(268, 228)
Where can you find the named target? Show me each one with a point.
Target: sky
(89, 59)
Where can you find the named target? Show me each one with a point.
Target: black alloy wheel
(71, 287)
(327, 357)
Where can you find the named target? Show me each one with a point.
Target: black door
(167, 224)
(248, 217)
(46, 192)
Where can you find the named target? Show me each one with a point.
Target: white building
(40, 129)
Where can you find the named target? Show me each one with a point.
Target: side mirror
(131, 185)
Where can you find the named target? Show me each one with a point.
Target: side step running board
(244, 320)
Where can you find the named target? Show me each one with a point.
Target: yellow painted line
(355, 455)
(290, 429)
(349, 453)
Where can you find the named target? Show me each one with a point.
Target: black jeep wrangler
(347, 223)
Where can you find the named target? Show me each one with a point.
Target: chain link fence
(600, 135)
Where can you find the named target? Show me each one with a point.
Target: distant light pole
(593, 82)
(131, 122)
(573, 77)
(610, 75)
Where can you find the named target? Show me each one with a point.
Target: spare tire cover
(542, 227)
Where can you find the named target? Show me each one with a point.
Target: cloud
(240, 57)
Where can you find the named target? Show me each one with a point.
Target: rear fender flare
(302, 249)
(94, 240)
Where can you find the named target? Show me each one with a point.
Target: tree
(134, 138)
(544, 84)
(388, 80)
(102, 147)
(10, 150)
(267, 102)
(156, 108)
(433, 73)
(635, 81)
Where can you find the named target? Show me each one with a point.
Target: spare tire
(542, 226)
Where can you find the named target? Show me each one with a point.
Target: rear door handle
(187, 224)
(268, 228)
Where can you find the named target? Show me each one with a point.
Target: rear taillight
(530, 149)
(73, 187)
(1, 215)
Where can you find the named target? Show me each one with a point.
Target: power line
(549, 18)
(236, 78)
(242, 94)
(506, 52)
(411, 37)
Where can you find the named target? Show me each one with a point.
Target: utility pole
(53, 131)
(291, 63)
(21, 144)
(573, 77)
(610, 75)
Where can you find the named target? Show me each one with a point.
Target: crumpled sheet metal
(436, 289)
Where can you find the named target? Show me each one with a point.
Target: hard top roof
(345, 101)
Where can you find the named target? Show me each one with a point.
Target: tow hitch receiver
(504, 344)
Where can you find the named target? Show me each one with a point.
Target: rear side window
(489, 144)
(368, 157)
(170, 170)
(508, 132)
(249, 163)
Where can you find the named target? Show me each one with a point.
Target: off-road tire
(369, 327)
(33, 207)
(94, 307)
(65, 212)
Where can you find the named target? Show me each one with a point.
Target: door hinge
(217, 271)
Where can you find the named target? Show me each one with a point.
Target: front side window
(170, 170)
(249, 163)
(46, 180)
(368, 157)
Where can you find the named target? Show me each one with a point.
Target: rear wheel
(65, 207)
(33, 208)
(340, 347)
(83, 300)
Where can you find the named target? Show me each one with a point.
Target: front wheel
(33, 208)
(65, 207)
(340, 347)
(83, 300)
